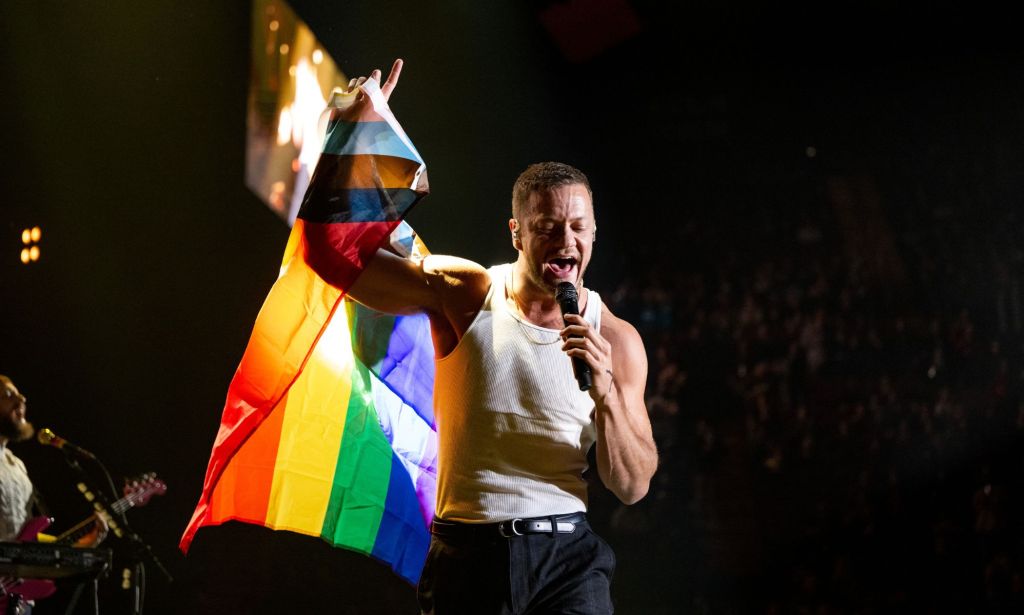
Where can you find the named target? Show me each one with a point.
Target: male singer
(510, 533)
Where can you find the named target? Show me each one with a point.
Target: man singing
(510, 533)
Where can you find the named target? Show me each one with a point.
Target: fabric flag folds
(328, 426)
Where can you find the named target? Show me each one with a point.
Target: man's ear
(513, 226)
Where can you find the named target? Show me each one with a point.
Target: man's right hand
(387, 87)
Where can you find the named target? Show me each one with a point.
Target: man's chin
(25, 432)
(551, 282)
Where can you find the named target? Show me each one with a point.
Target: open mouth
(562, 267)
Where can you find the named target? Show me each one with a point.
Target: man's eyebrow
(554, 219)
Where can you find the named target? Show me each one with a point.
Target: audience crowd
(835, 437)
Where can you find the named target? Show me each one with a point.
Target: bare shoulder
(453, 270)
(454, 276)
(460, 284)
(624, 338)
(434, 285)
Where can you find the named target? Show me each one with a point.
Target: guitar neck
(136, 494)
(85, 526)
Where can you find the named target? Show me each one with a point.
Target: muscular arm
(626, 454)
(449, 290)
(396, 285)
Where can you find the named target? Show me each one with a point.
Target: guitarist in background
(16, 492)
(15, 486)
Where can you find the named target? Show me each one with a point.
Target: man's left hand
(585, 342)
(96, 534)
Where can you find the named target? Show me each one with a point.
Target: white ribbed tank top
(514, 428)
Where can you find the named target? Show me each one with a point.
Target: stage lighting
(30, 239)
(293, 76)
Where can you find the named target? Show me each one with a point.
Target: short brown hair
(544, 176)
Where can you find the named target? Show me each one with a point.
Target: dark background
(124, 137)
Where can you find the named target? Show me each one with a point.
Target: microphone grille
(566, 291)
(45, 436)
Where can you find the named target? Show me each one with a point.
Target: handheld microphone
(47, 437)
(568, 302)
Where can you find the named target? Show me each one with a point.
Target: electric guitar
(136, 493)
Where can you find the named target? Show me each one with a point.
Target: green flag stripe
(362, 474)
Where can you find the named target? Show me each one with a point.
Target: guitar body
(30, 589)
(32, 528)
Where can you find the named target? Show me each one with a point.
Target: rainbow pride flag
(328, 427)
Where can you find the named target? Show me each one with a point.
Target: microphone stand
(138, 549)
(77, 467)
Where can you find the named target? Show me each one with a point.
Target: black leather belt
(555, 524)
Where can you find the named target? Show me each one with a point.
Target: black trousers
(483, 573)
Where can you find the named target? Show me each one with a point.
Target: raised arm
(447, 289)
(396, 285)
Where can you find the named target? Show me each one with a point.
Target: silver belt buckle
(512, 526)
